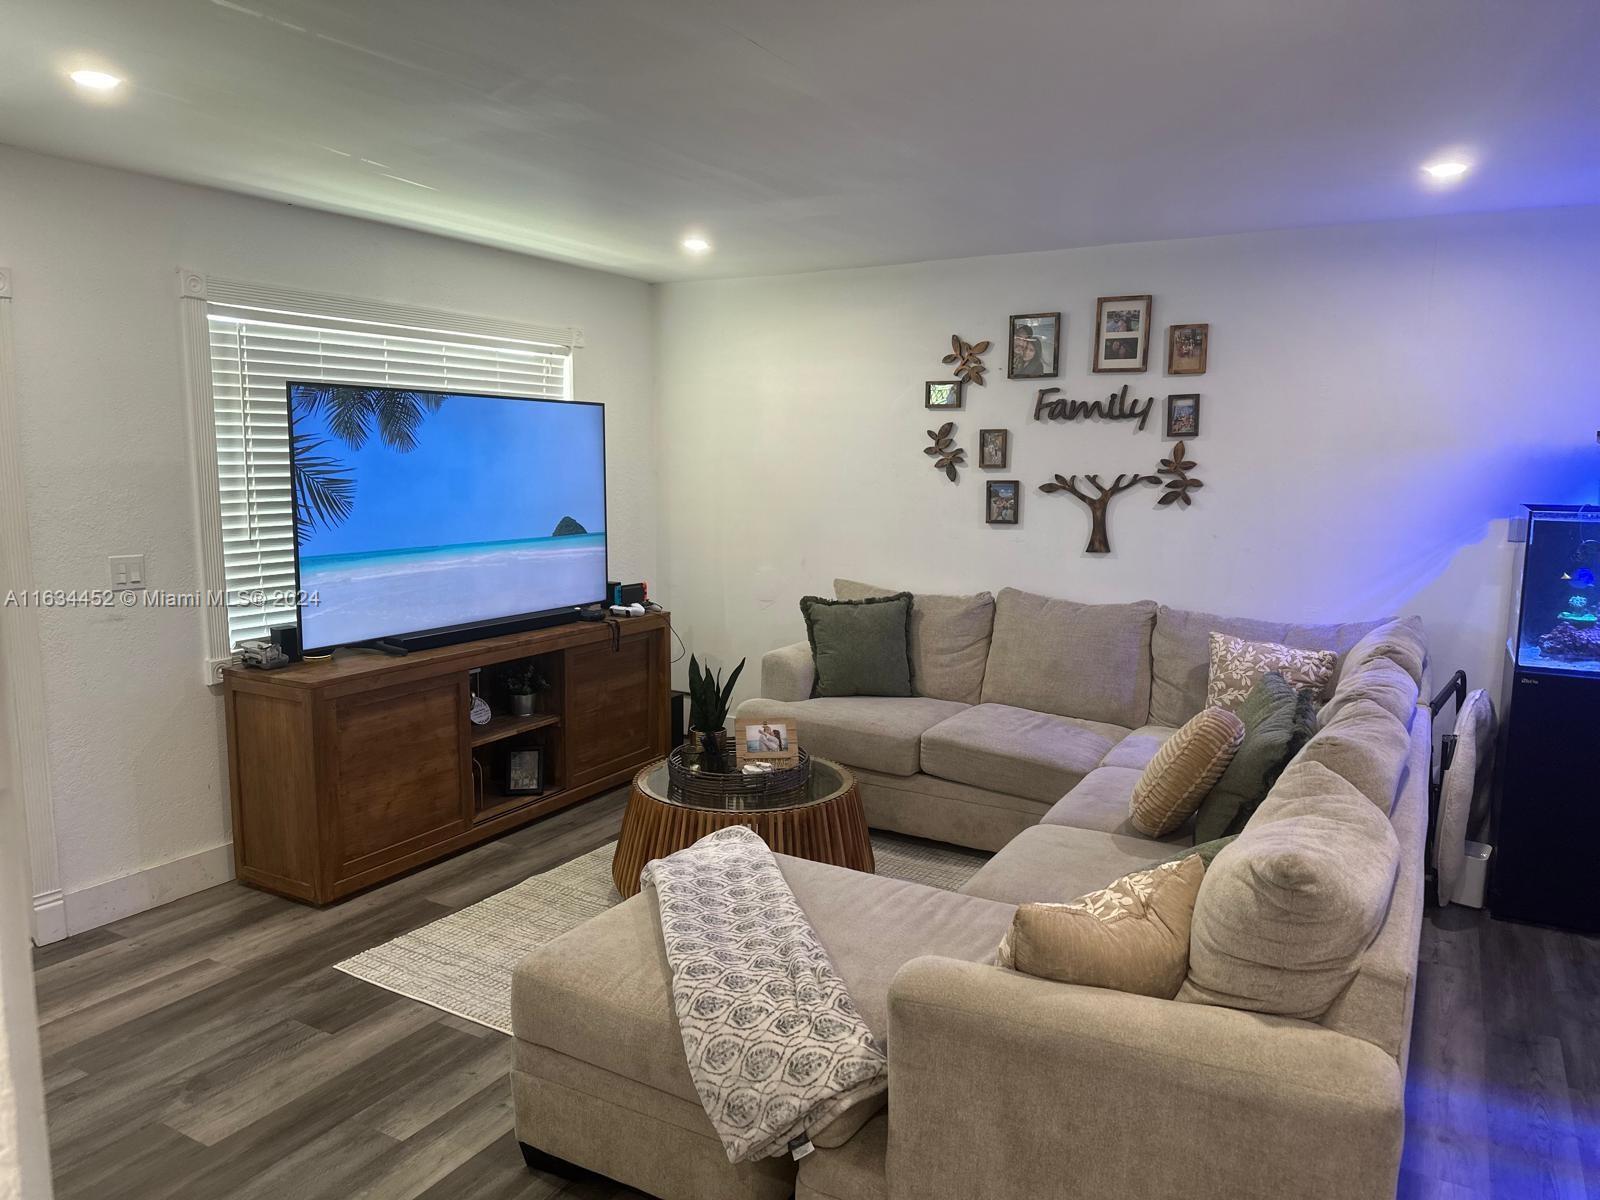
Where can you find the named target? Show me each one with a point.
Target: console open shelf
(500, 728)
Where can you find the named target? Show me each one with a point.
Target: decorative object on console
(969, 366)
(1237, 666)
(994, 449)
(947, 455)
(708, 713)
(1183, 416)
(523, 682)
(1122, 333)
(1002, 502)
(1186, 349)
(524, 772)
(860, 647)
(1177, 779)
(775, 743)
(1132, 936)
(942, 393)
(1181, 483)
(1035, 351)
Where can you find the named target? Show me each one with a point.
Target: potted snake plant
(708, 715)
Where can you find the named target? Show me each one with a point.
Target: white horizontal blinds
(255, 351)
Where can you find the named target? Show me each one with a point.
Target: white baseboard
(49, 917)
(101, 903)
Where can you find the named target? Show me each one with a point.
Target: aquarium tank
(1558, 626)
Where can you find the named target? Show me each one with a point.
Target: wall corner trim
(191, 284)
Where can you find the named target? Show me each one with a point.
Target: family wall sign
(1050, 405)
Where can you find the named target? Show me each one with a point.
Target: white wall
(1380, 398)
(135, 763)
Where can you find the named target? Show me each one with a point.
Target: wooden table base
(829, 831)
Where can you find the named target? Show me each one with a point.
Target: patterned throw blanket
(775, 1046)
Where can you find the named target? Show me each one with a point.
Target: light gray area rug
(463, 963)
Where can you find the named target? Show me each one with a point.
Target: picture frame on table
(1187, 346)
(776, 743)
(943, 394)
(1034, 349)
(1122, 333)
(1002, 502)
(994, 449)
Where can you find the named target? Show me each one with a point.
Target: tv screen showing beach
(418, 511)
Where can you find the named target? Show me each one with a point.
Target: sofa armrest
(788, 672)
(1001, 1084)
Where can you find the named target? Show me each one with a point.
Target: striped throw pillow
(1183, 770)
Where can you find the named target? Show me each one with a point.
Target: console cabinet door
(399, 772)
(615, 714)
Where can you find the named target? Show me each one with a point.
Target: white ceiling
(805, 134)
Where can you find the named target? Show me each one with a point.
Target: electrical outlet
(127, 572)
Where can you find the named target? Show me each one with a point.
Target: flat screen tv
(424, 518)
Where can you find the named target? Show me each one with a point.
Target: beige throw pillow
(1132, 936)
(1183, 770)
(1237, 665)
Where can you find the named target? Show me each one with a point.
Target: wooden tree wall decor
(1177, 489)
(946, 454)
(969, 366)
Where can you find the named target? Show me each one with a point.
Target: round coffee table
(824, 824)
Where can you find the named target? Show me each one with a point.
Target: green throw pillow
(860, 647)
(1206, 850)
(1278, 719)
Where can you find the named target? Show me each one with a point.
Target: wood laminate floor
(208, 1051)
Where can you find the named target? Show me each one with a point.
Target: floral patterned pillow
(1237, 665)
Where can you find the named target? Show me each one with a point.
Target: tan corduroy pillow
(1132, 936)
(1237, 665)
(1183, 770)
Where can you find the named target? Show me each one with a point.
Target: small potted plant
(708, 714)
(524, 681)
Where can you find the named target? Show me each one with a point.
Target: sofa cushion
(602, 993)
(1016, 750)
(1379, 680)
(1052, 864)
(1180, 653)
(1236, 664)
(1175, 781)
(1366, 745)
(1139, 747)
(1401, 641)
(1101, 803)
(1286, 912)
(1278, 720)
(881, 733)
(1074, 660)
(860, 647)
(949, 639)
(1130, 936)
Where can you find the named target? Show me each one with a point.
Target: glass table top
(828, 780)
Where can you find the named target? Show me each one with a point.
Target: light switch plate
(127, 572)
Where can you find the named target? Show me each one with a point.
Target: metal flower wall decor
(1177, 489)
(946, 454)
(965, 356)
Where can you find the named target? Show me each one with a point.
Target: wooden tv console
(349, 772)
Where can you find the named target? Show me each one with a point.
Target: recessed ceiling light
(95, 81)
(1447, 169)
(696, 244)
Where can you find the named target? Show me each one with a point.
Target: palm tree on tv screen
(324, 494)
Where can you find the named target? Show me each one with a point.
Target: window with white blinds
(256, 350)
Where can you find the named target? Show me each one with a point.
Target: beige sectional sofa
(1006, 1085)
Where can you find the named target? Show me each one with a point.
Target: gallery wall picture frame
(776, 742)
(1183, 415)
(1002, 502)
(1187, 346)
(943, 394)
(994, 449)
(1122, 333)
(1033, 346)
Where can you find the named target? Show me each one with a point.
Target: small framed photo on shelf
(1001, 502)
(1186, 349)
(1122, 333)
(1183, 416)
(774, 742)
(942, 393)
(1035, 351)
(524, 773)
(994, 449)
